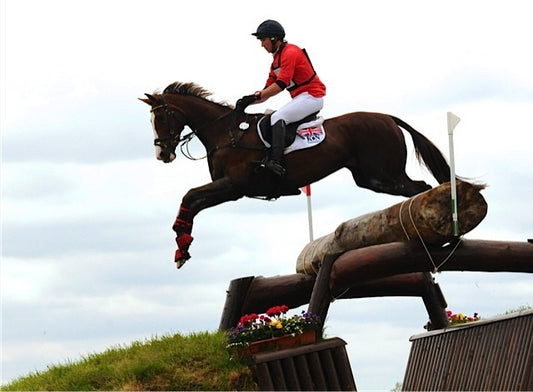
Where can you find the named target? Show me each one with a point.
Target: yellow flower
(276, 324)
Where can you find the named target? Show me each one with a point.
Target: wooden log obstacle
(256, 294)
(391, 252)
(395, 269)
(424, 218)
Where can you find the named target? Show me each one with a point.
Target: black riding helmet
(269, 29)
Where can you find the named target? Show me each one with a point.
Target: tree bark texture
(295, 290)
(379, 261)
(426, 216)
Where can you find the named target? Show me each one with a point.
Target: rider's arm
(267, 92)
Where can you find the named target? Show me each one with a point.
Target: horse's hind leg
(410, 187)
(400, 185)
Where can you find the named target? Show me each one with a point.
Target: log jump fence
(387, 253)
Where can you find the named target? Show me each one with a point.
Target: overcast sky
(87, 245)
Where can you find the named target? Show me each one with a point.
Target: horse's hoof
(180, 257)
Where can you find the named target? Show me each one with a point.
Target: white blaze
(157, 148)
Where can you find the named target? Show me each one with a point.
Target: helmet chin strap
(274, 41)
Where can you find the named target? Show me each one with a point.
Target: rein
(176, 139)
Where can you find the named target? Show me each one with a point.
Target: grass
(197, 361)
(518, 309)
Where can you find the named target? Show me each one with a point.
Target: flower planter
(277, 343)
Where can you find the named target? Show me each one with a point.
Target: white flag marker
(453, 120)
(307, 191)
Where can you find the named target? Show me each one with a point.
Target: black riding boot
(275, 163)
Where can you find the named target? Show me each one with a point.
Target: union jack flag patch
(312, 135)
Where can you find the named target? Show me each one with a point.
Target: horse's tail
(427, 153)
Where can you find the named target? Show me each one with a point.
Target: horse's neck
(206, 119)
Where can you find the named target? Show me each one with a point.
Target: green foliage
(521, 308)
(198, 361)
(397, 387)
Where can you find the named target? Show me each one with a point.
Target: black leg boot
(275, 164)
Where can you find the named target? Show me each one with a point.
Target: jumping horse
(370, 145)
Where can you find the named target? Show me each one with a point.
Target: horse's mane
(190, 88)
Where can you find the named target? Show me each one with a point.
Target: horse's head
(168, 123)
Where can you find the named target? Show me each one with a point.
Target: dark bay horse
(370, 145)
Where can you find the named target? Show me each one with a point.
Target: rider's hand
(243, 102)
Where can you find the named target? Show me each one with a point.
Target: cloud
(90, 128)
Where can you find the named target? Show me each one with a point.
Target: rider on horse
(291, 69)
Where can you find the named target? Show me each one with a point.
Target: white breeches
(297, 108)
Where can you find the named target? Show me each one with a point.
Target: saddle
(265, 129)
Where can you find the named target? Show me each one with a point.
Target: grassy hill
(197, 361)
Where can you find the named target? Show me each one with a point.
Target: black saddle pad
(266, 129)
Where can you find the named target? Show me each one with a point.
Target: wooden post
(434, 302)
(321, 295)
(235, 296)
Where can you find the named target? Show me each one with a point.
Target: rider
(291, 69)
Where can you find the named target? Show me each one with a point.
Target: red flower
(277, 310)
(248, 319)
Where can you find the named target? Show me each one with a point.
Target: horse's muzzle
(166, 157)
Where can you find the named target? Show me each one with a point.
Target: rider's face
(268, 44)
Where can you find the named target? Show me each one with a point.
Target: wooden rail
(394, 269)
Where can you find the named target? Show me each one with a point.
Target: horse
(370, 145)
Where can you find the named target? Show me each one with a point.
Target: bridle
(169, 143)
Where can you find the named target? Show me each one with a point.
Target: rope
(435, 267)
(401, 221)
(334, 298)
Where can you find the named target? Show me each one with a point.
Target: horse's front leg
(194, 201)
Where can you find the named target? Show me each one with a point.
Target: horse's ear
(150, 101)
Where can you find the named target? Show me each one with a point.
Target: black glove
(243, 102)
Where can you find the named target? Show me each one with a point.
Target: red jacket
(292, 69)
